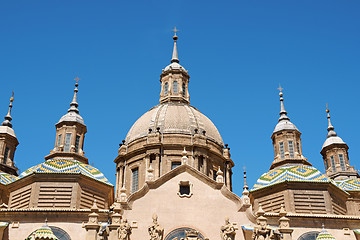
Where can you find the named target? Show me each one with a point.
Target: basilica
(174, 181)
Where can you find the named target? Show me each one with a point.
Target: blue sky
(237, 53)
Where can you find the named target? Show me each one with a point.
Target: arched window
(342, 162)
(183, 90)
(309, 236)
(166, 88)
(180, 233)
(175, 87)
(60, 234)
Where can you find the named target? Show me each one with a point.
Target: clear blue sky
(237, 53)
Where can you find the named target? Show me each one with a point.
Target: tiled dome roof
(6, 178)
(67, 166)
(349, 184)
(43, 233)
(325, 235)
(297, 173)
(173, 118)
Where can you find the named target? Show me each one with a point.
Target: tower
(70, 133)
(335, 155)
(8, 143)
(286, 140)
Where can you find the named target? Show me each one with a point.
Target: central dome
(180, 118)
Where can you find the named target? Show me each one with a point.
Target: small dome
(44, 232)
(66, 166)
(6, 178)
(174, 118)
(72, 117)
(284, 125)
(174, 66)
(325, 235)
(297, 173)
(333, 140)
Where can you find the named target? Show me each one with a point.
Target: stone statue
(124, 230)
(261, 230)
(228, 230)
(156, 232)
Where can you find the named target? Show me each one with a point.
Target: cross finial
(280, 88)
(77, 79)
(175, 30)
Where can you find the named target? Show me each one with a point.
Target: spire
(245, 182)
(74, 104)
(175, 53)
(283, 113)
(8, 117)
(331, 132)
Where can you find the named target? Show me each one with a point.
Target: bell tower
(70, 134)
(335, 155)
(174, 79)
(8, 143)
(286, 140)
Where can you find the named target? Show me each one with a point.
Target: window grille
(333, 163)
(77, 142)
(291, 149)
(281, 148)
(166, 88)
(175, 87)
(135, 180)
(342, 162)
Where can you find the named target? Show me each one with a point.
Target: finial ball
(11, 99)
(175, 38)
(280, 94)
(327, 110)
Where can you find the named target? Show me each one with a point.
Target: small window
(175, 87)
(326, 164)
(185, 189)
(166, 88)
(175, 165)
(281, 148)
(6, 155)
(333, 163)
(342, 162)
(184, 89)
(58, 140)
(275, 150)
(67, 142)
(298, 147)
(77, 142)
(201, 163)
(152, 158)
(135, 180)
(291, 149)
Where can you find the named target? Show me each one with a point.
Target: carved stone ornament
(192, 235)
(227, 231)
(124, 230)
(261, 230)
(156, 232)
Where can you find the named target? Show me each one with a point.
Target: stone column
(284, 225)
(205, 167)
(228, 169)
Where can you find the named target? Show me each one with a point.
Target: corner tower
(8, 143)
(335, 155)
(286, 140)
(70, 134)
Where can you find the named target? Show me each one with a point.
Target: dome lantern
(70, 133)
(174, 79)
(286, 140)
